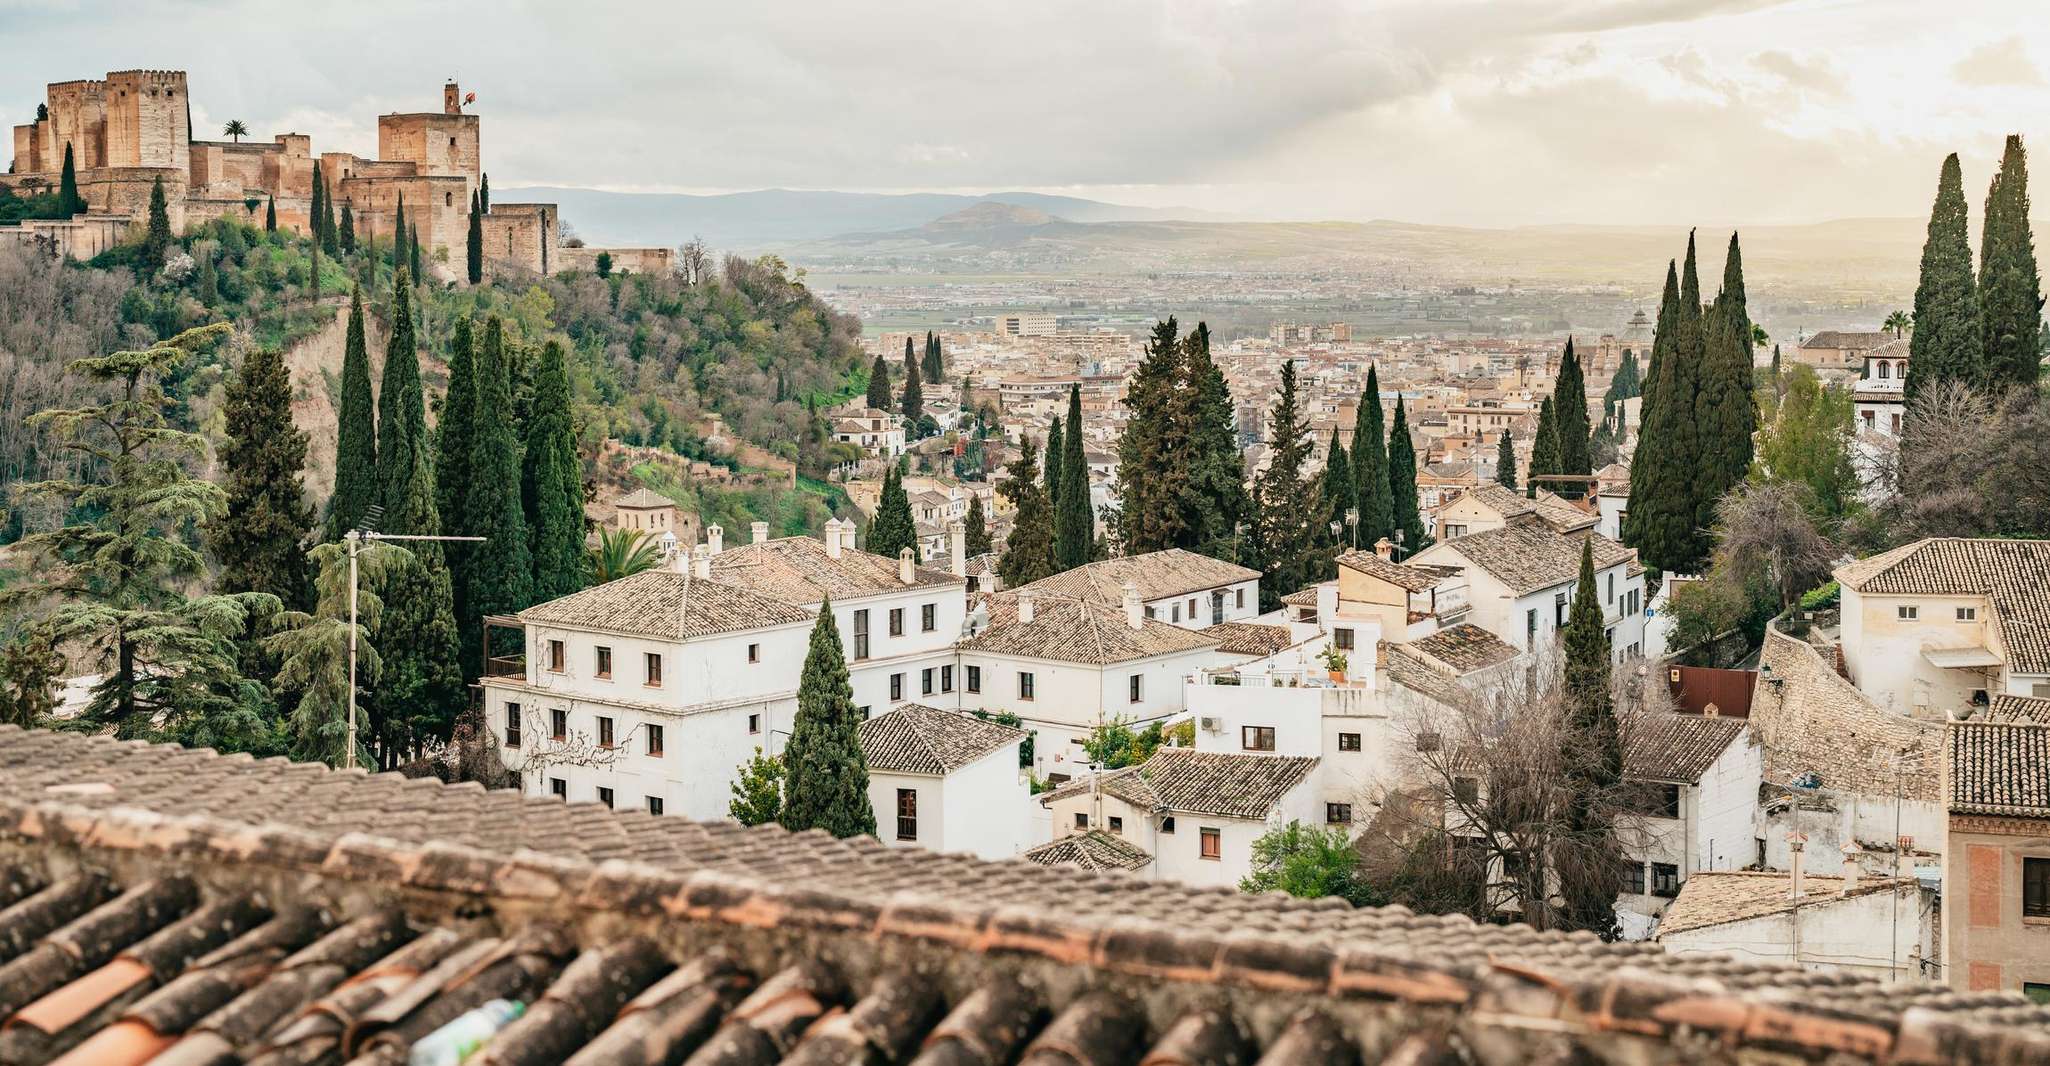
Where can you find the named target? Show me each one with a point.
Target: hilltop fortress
(135, 126)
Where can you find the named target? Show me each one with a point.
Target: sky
(1461, 112)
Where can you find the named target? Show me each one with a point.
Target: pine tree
(1054, 465)
(1370, 466)
(270, 213)
(1946, 343)
(828, 775)
(167, 665)
(2010, 289)
(421, 689)
(156, 241)
(348, 227)
(1074, 518)
(356, 485)
(484, 193)
(312, 650)
(1214, 485)
(260, 539)
(1289, 520)
(879, 385)
(1544, 448)
(401, 408)
(68, 199)
(473, 248)
(313, 212)
(1505, 461)
(502, 571)
(557, 475)
(1338, 485)
(1725, 411)
(893, 530)
(1569, 414)
(1028, 551)
(1593, 756)
(913, 403)
(1153, 478)
(976, 526)
(1402, 494)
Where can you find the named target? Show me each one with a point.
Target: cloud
(1815, 75)
(1998, 63)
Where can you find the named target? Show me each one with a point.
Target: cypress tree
(413, 253)
(1946, 345)
(1664, 473)
(473, 248)
(935, 367)
(1592, 759)
(1544, 448)
(330, 234)
(1289, 519)
(348, 228)
(1569, 415)
(1055, 464)
(1215, 481)
(879, 385)
(913, 402)
(68, 199)
(1505, 461)
(827, 786)
(1338, 484)
(502, 574)
(270, 213)
(910, 356)
(399, 231)
(454, 444)
(557, 476)
(484, 193)
(893, 529)
(313, 213)
(156, 240)
(1402, 495)
(260, 538)
(356, 485)
(401, 408)
(1028, 551)
(1725, 411)
(976, 528)
(1074, 519)
(1152, 474)
(1370, 466)
(420, 687)
(2010, 290)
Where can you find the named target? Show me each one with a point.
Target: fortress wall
(28, 149)
(78, 116)
(438, 205)
(146, 119)
(628, 260)
(521, 237)
(440, 144)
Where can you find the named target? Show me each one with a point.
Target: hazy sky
(1451, 111)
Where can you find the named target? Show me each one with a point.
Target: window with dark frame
(559, 787)
(654, 660)
(1256, 737)
(925, 681)
(1665, 879)
(754, 653)
(907, 814)
(1240, 595)
(947, 678)
(1167, 824)
(655, 805)
(896, 621)
(861, 634)
(555, 656)
(1348, 742)
(1117, 824)
(754, 723)
(512, 725)
(1137, 687)
(558, 724)
(604, 731)
(975, 679)
(1338, 813)
(1025, 683)
(654, 735)
(1341, 639)
(605, 795)
(604, 663)
(1633, 877)
(1211, 844)
(929, 617)
(896, 687)
(1081, 819)
(2035, 887)
(1466, 789)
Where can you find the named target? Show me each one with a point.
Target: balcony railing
(506, 666)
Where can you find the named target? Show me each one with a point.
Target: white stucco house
(1175, 586)
(1521, 578)
(1696, 781)
(946, 781)
(1878, 927)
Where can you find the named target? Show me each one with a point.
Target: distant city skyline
(1482, 114)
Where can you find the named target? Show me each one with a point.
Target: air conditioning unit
(1213, 725)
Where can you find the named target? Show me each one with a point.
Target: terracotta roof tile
(1158, 575)
(916, 739)
(2013, 574)
(799, 570)
(1065, 629)
(1183, 780)
(1093, 850)
(1999, 768)
(1464, 648)
(1527, 555)
(1250, 638)
(1718, 897)
(1668, 746)
(1408, 578)
(667, 605)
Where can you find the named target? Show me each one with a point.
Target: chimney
(1027, 600)
(1135, 612)
(907, 568)
(957, 548)
(1795, 842)
(832, 538)
(1384, 549)
(715, 538)
(760, 531)
(671, 557)
(1851, 870)
(701, 562)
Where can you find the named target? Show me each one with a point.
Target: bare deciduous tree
(693, 261)
(1769, 527)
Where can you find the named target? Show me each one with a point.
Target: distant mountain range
(776, 219)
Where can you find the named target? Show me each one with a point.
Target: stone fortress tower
(135, 127)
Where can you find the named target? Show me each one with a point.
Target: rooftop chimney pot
(1135, 612)
(715, 538)
(760, 531)
(1027, 601)
(907, 568)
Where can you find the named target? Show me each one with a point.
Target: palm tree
(1898, 323)
(235, 129)
(621, 552)
(1759, 337)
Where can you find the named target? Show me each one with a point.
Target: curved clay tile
(768, 1023)
(91, 940)
(882, 1027)
(1097, 1030)
(590, 992)
(671, 1018)
(35, 917)
(986, 1029)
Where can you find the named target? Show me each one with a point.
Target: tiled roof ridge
(1866, 886)
(1526, 979)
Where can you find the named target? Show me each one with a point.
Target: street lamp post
(355, 539)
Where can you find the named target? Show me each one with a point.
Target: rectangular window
(907, 814)
(975, 679)
(1348, 742)
(654, 733)
(1212, 843)
(1176, 613)
(2036, 992)
(946, 679)
(1906, 613)
(605, 664)
(1559, 610)
(929, 617)
(1338, 813)
(1137, 686)
(1256, 737)
(558, 724)
(605, 796)
(1427, 741)
(1117, 824)
(754, 653)
(925, 681)
(896, 687)
(556, 655)
(512, 725)
(1342, 639)
(1081, 819)
(1665, 879)
(559, 788)
(861, 634)
(754, 723)
(1167, 824)
(654, 660)
(1530, 625)
(1024, 685)
(1611, 596)
(2035, 888)
(604, 731)
(1466, 789)
(1633, 877)
(896, 621)
(1968, 614)
(1192, 609)
(655, 805)
(1240, 596)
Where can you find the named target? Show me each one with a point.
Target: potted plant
(1335, 661)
